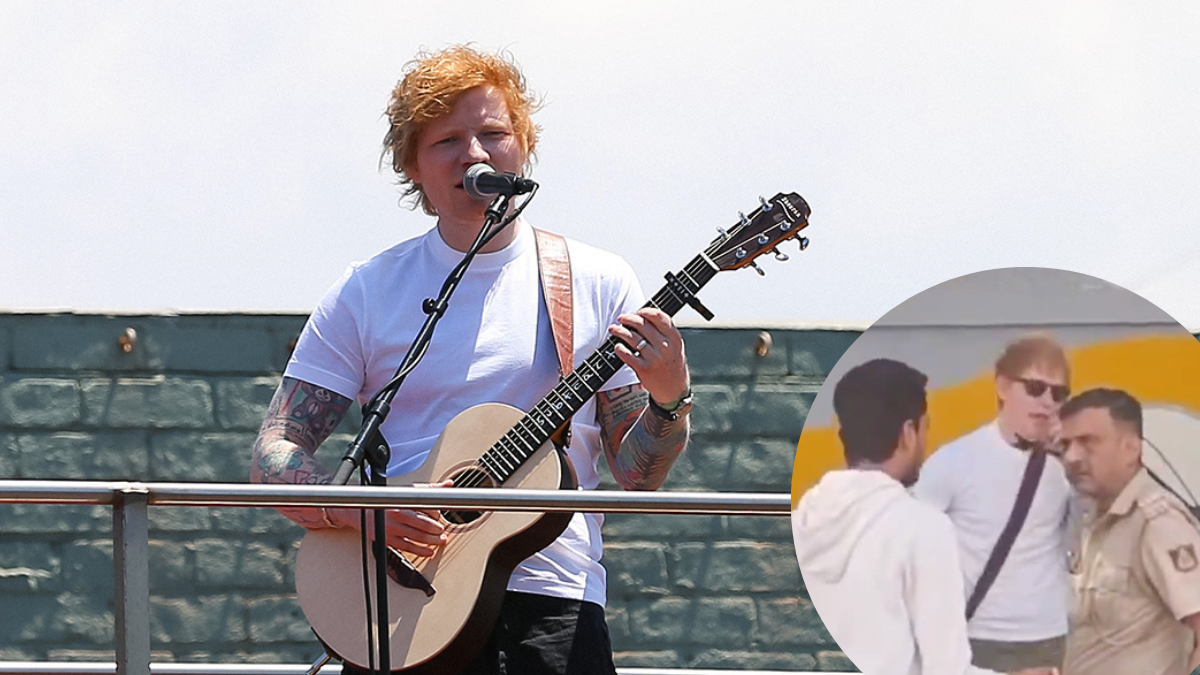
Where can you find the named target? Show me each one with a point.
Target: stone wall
(185, 404)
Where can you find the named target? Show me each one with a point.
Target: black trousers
(541, 635)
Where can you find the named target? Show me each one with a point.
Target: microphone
(481, 181)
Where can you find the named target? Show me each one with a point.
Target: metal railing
(86, 668)
(130, 502)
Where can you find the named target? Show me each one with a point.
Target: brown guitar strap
(554, 268)
(1029, 483)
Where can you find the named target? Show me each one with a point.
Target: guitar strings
(504, 447)
(513, 447)
(516, 449)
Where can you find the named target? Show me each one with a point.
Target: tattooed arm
(639, 444)
(301, 417)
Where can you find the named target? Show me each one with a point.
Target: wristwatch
(673, 410)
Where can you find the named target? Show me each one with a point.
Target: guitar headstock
(776, 220)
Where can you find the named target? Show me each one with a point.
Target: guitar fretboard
(553, 411)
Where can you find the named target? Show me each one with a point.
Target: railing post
(131, 570)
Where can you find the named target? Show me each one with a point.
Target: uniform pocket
(1114, 606)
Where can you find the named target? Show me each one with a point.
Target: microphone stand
(370, 445)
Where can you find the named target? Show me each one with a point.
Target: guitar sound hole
(471, 477)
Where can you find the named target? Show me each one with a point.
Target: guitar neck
(553, 411)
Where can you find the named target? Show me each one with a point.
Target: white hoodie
(882, 571)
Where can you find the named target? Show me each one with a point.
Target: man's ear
(1003, 385)
(1133, 448)
(413, 173)
(908, 435)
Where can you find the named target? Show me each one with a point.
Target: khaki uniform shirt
(1136, 576)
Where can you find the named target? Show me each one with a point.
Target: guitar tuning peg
(724, 234)
(766, 206)
(803, 243)
(744, 219)
(780, 255)
(758, 269)
(763, 238)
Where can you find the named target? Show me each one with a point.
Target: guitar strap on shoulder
(1029, 483)
(554, 269)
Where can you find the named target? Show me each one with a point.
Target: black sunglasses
(1035, 388)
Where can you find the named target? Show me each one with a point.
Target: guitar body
(442, 632)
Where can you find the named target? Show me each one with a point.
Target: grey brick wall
(185, 404)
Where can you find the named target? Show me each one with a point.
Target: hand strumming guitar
(420, 532)
(300, 418)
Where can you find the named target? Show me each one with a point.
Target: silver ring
(640, 345)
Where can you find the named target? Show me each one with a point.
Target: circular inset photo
(1001, 475)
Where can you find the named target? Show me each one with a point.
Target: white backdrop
(224, 155)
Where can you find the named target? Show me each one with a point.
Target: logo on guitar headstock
(775, 221)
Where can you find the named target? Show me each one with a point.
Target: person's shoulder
(984, 433)
(593, 258)
(967, 443)
(392, 255)
(604, 270)
(952, 452)
(387, 263)
(920, 512)
(1156, 503)
(924, 522)
(1169, 528)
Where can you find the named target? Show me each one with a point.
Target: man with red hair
(453, 109)
(1020, 620)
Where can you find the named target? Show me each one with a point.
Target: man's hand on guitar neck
(300, 418)
(640, 444)
(657, 355)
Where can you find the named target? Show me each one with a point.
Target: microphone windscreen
(471, 177)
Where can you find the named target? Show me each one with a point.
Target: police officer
(1137, 573)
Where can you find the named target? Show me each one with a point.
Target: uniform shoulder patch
(1184, 558)
(1155, 505)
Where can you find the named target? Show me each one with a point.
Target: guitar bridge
(401, 571)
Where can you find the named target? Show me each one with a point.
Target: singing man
(453, 109)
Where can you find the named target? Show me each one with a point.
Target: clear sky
(224, 155)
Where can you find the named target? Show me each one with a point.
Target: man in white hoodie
(882, 568)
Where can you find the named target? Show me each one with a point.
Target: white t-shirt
(974, 480)
(493, 345)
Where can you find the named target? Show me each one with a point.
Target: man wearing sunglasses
(1018, 586)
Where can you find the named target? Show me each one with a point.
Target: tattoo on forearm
(640, 446)
(301, 416)
(276, 462)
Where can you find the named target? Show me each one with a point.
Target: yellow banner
(1161, 370)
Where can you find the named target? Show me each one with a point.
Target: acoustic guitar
(443, 607)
